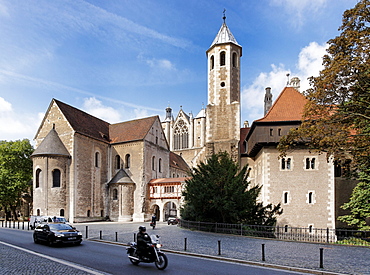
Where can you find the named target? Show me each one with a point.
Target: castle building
(87, 169)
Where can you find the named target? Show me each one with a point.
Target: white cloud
(96, 108)
(160, 63)
(15, 125)
(309, 64)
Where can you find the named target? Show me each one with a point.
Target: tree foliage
(337, 115)
(15, 172)
(219, 192)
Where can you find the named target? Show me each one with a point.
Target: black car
(56, 233)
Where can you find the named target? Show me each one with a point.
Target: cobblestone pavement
(337, 258)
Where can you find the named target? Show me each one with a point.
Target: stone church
(87, 169)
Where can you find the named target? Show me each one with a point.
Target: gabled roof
(224, 35)
(131, 130)
(289, 106)
(121, 178)
(178, 162)
(51, 146)
(84, 123)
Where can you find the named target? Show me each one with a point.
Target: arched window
(160, 165)
(38, 177)
(235, 61)
(153, 163)
(56, 177)
(222, 58)
(115, 194)
(286, 197)
(38, 212)
(212, 65)
(61, 212)
(97, 161)
(118, 162)
(181, 136)
(127, 161)
(88, 213)
(310, 197)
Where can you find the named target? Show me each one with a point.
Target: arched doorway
(170, 210)
(155, 210)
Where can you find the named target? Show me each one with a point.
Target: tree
(15, 172)
(219, 192)
(337, 115)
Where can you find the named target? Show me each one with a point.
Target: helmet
(142, 228)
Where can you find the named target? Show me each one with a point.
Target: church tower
(223, 109)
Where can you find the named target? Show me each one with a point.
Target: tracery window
(181, 136)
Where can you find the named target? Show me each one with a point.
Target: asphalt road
(101, 258)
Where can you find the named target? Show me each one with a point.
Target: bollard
(263, 252)
(219, 247)
(185, 244)
(28, 226)
(101, 233)
(87, 230)
(18, 224)
(116, 236)
(321, 257)
(134, 237)
(2, 223)
(14, 224)
(23, 225)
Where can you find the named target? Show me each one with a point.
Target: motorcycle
(154, 254)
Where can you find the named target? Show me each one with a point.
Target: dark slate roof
(121, 178)
(84, 123)
(51, 146)
(178, 162)
(131, 130)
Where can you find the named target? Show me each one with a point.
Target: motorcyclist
(143, 241)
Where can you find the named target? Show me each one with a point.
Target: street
(102, 258)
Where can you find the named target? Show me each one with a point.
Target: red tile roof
(288, 106)
(131, 130)
(178, 162)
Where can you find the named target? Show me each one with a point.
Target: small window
(118, 162)
(127, 161)
(310, 228)
(38, 178)
(38, 212)
(88, 213)
(285, 228)
(286, 164)
(310, 197)
(101, 213)
(61, 212)
(222, 58)
(235, 60)
(279, 132)
(286, 197)
(115, 195)
(56, 177)
(212, 65)
(271, 132)
(97, 156)
(153, 163)
(160, 165)
(310, 163)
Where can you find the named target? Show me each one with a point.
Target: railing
(318, 235)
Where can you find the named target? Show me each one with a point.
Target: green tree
(219, 191)
(15, 172)
(337, 115)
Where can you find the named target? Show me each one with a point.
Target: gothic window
(97, 156)
(222, 58)
(235, 61)
(212, 65)
(127, 161)
(181, 136)
(56, 177)
(115, 194)
(118, 162)
(38, 177)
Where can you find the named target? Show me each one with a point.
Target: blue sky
(126, 59)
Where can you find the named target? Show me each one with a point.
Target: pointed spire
(224, 35)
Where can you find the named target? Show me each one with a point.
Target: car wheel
(50, 242)
(35, 240)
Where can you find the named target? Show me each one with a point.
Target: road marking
(55, 259)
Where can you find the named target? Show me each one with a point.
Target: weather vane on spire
(224, 18)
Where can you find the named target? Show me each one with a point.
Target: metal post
(2, 223)
(116, 236)
(87, 230)
(185, 244)
(101, 233)
(263, 252)
(321, 257)
(219, 247)
(23, 225)
(13, 223)
(327, 234)
(134, 237)
(28, 226)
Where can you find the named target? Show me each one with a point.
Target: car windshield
(60, 226)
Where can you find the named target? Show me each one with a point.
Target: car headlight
(159, 245)
(79, 233)
(59, 235)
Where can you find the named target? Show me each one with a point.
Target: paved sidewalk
(337, 258)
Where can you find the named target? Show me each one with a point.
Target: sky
(120, 60)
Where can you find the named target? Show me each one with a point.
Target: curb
(282, 267)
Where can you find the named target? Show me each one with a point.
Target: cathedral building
(87, 169)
